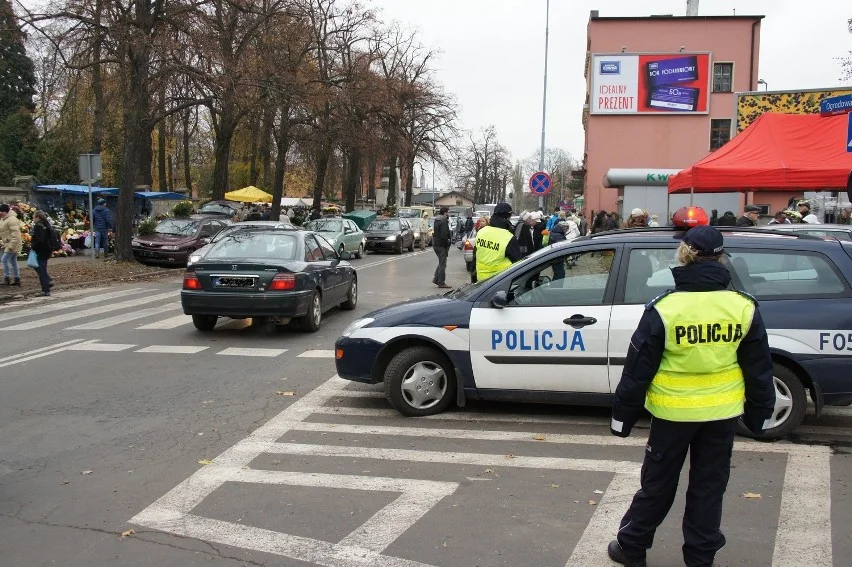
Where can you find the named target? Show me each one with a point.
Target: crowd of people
(44, 240)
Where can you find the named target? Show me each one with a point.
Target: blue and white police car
(555, 327)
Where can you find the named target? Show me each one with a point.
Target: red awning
(777, 152)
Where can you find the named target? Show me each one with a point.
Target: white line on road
(90, 312)
(43, 353)
(804, 522)
(317, 354)
(57, 306)
(38, 350)
(172, 349)
(264, 352)
(589, 551)
(102, 347)
(125, 317)
(387, 261)
(170, 323)
(452, 415)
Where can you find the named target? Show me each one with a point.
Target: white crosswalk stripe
(99, 310)
(262, 352)
(170, 323)
(317, 354)
(41, 309)
(101, 347)
(173, 349)
(125, 317)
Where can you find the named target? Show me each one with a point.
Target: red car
(175, 239)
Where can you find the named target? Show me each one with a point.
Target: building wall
(663, 141)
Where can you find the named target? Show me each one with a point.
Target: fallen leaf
(288, 394)
(592, 502)
(511, 456)
(598, 491)
(86, 472)
(554, 486)
(66, 482)
(126, 533)
(538, 437)
(205, 462)
(751, 495)
(444, 544)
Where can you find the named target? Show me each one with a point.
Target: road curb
(71, 286)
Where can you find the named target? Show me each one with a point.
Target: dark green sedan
(269, 274)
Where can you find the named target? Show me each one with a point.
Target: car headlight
(134, 242)
(355, 325)
(171, 247)
(193, 258)
(392, 237)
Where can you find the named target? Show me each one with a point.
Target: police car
(532, 334)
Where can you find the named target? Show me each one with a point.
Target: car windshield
(409, 213)
(247, 226)
(384, 224)
(248, 244)
(217, 208)
(325, 225)
(177, 227)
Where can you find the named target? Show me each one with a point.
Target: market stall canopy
(296, 202)
(250, 194)
(75, 189)
(154, 195)
(777, 152)
(361, 218)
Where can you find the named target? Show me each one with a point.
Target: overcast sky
(492, 54)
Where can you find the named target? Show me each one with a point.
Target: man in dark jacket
(441, 240)
(697, 371)
(751, 214)
(727, 219)
(40, 244)
(101, 225)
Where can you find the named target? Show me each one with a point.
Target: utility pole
(544, 98)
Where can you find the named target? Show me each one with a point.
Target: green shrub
(147, 226)
(182, 209)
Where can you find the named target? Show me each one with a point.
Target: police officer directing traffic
(495, 247)
(697, 371)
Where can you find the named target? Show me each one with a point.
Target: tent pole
(691, 196)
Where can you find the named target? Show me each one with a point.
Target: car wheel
(313, 319)
(204, 323)
(411, 246)
(352, 296)
(360, 253)
(399, 246)
(420, 381)
(790, 405)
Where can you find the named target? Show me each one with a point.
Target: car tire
(360, 253)
(399, 246)
(351, 296)
(204, 323)
(790, 406)
(411, 246)
(313, 318)
(420, 381)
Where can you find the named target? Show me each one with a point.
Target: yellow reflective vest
(490, 248)
(699, 378)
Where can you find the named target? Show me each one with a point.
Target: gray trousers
(441, 270)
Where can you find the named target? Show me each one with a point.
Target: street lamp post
(544, 98)
(764, 83)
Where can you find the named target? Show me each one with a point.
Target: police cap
(503, 209)
(706, 240)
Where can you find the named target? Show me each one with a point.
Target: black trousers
(709, 445)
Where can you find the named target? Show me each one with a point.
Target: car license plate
(147, 253)
(233, 281)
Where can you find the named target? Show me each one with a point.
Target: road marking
(267, 352)
(89, 312)
(804, 522)
(172, 349)
(604, 523)
(170, 323)
(102, 347)
(125, 317)
(50, 307)
(388, 260)
(452, 415)
(317, 354)
(44, 352)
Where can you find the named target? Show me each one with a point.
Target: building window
(723, 77)
(720, 132)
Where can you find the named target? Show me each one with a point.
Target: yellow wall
(751, 105)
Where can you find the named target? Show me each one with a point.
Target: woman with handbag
(41, 245)
(10, 237)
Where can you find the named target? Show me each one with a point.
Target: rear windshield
(245, 244)
(384, 224)
(324, 225)
(177, 227)
(217, 208)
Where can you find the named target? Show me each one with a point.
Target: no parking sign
(541, 183)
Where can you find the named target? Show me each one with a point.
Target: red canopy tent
(777, 152)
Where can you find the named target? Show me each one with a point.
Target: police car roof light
(688, 217)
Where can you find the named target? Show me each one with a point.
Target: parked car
(343, 234)
(390, 233)
(244, 225)
(838, 231)
(274, 275)
(174, 240)
(222, 209)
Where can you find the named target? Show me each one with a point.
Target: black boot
(17, 282)
(7, 281)
(617, 554)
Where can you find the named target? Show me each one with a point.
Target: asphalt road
(243, 448)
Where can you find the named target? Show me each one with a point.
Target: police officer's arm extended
(755, 361)
(513, 251)
(640, 367)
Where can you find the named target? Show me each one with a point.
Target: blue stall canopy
(112, 191)
(169, 195)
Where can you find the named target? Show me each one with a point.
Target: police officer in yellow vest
(496, 247)
(698, 361)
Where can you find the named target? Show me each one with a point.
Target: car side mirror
(205, 241)
(346, 256)
(500, 300)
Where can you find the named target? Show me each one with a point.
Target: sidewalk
(80, 271)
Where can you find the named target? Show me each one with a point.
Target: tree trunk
(392, 188)
(353, 176)
(161, 156)
(222, 156)
(323, 155)
(253, 171)
(282, 144)
(372, 164)
(266, 146)
(408, 168)
(187, 170)
(144, 173)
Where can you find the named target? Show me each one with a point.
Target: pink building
(660, 96)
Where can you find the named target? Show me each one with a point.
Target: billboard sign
(661, 83)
